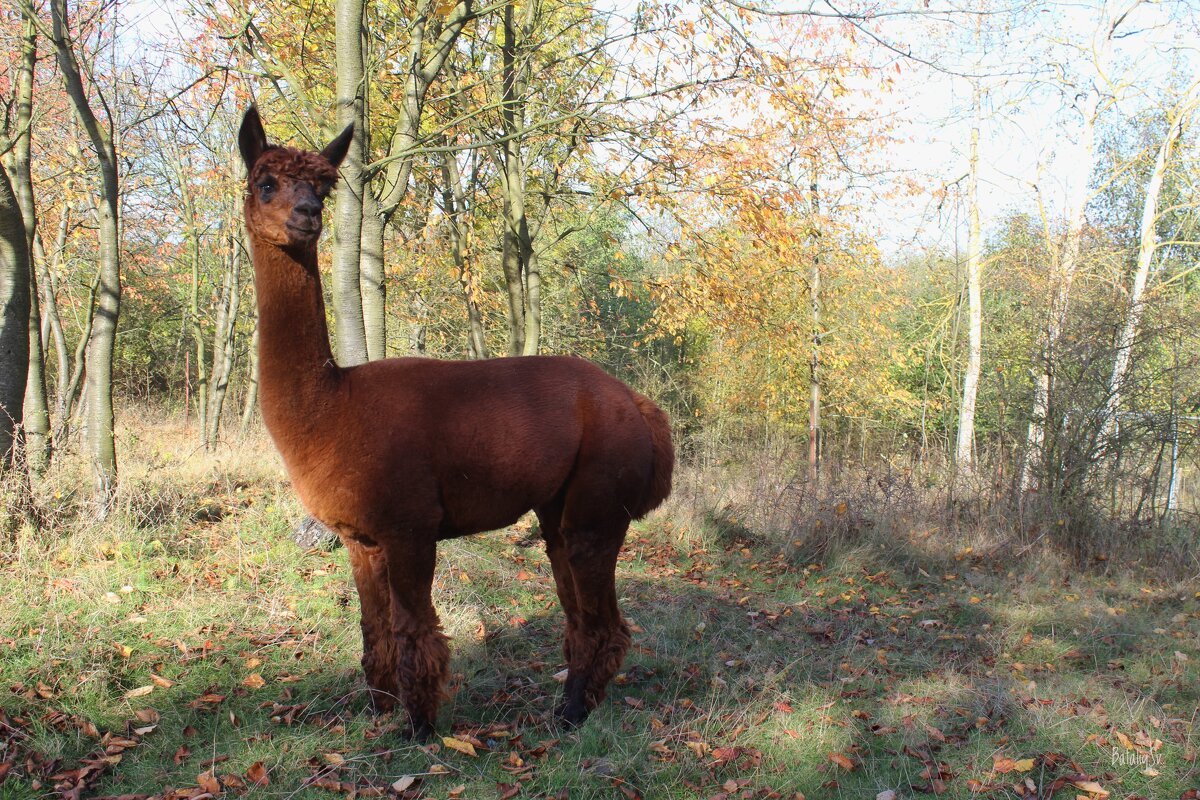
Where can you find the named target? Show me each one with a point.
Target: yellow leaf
(459, 745)
(254, 681)
(140, 691)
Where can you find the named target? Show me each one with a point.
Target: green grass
(192, 645)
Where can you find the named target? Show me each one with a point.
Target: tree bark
(516, 246)
(372, 283)
(36, 411)
(52, 329)
(250, 401)
(224, 333)
(14, 321)
(348, 211)
(101, 442)
(814, 363)
(964, 453)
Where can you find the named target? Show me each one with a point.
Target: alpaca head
(286, 188)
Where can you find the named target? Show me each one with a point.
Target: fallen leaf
(1091, 787)
(459, 745)
(842, 761)
(140, 691)
(257, 774)
(402, 783)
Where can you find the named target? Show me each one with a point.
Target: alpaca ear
(336, 150)
(252, 139)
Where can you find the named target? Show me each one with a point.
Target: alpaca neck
(296, 367)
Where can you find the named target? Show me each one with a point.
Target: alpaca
(395, 455)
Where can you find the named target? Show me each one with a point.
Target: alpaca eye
(266, 187)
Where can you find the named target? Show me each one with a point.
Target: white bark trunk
(1147, 245)
(964, 453)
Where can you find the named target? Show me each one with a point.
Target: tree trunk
(250, 401)
(69, 394)
(14, 321)
(52, 329)
(195, 326)
(814, 363)
(101, 444)
(372, 283)
(1064, 267)
(348, 212)
(224, 334)
(36, 411)
(454, 203)
(425, 59)
(1147, 246)
(964, 454)
(517, 245)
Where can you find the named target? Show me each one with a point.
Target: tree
(99, 386)
(1089, 100)
(964, 449)
(1177, 117)
(14, 320)
(36, 412)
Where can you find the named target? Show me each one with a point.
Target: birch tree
(964, 449)
(1088, 101)
(1177, 118)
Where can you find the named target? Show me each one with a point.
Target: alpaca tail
(664, 455)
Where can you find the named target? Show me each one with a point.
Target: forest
(913, 281)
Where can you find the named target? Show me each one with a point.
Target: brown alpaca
(396, 455)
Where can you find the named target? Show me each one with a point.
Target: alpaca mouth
(305, 231)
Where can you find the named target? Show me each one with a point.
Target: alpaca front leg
(424, 655)
(380, 658)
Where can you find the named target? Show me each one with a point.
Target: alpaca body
(468, 446)
(396, 455)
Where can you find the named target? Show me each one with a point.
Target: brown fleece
(398, 454)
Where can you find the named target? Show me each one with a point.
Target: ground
(187, 648)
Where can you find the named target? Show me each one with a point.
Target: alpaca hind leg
(380, 659)
(551, 518)
(424, 656)
(603, 637)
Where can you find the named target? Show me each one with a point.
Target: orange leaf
(842, 761)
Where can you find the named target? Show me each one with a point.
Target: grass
(187, 648)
